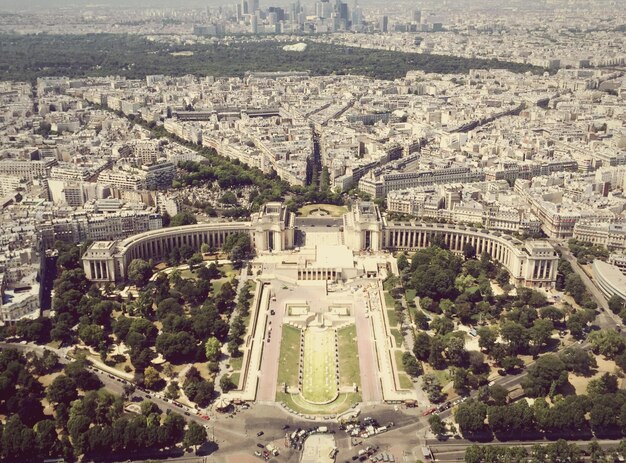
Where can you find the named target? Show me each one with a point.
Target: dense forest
(26, 57)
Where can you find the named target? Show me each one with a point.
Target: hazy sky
(34, 4)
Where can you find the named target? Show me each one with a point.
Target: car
(187, 413)
(430, 411)
(261, 446)
(285, 427)
(260, 433)
(272, 312)
(257, 453)
(205, 417)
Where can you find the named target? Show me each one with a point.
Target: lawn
(410, 295)
(393, 318)
(187, 274)
(318, 378)
(289, 356)
(390, 302)
(236, 362)
(397, 336)
(349, 372)
(442, 375)
(405, 380)
(228, 270)
(343, 402)
(217, 284)
(235, 378)
(326, 209)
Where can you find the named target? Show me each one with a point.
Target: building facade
(530, 263)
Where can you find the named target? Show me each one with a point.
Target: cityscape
(315, 231)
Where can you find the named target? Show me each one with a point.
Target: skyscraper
(244, 7)
(384, 23)
(417, 16)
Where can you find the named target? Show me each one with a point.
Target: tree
(33, 330)
(176, 346)
(139, 272)
(442, 325)
(437, 426)
(172, 390)
(411, 365)
(487, 338)
(403, 262)
(606, 342)
(194, 261)
(195, 435)
(499, 394)
(151, 377)
(541, 332)
(421, 345)
(552, 313)
(460, 380)
(574, 285)
(616, 304)
(435, 357)
(183, 218)
(212, 349)
(469, 251)
(18, 441)
(227, 384)
(82, 377)
(62, 390)
(577, 322)
(433, 388)
(455, 351)
(605, 384)
(515, 334)
(168, 306)
(503, 277)
(46, 436)
(228, 198)
(471, 416)
(578, 360)
(91, 334)
(547, 373)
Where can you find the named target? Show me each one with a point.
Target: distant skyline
(34, 5)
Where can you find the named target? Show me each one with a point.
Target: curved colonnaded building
(532, 263)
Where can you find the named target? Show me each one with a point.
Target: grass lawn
(405, 381)
(217, 284)
(187, 274)
(329, 209)
(236, 362)
(349, 372)
(235, 378)
(227, 270)
(390, 302)
(442, 375)
(393, 318)
(403, 377)
(289, 356)
(46, 380)
(410, 295)
(339, 405)
(397, 336)
(204, 371)
(318, 378)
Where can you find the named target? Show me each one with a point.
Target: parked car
(260, 433)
